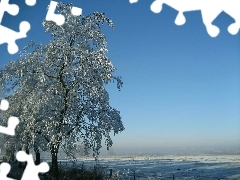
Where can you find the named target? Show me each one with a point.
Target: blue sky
(181, 90)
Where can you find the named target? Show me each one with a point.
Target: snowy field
(209, 167)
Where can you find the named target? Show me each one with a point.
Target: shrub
(76, 173)
(5, 159)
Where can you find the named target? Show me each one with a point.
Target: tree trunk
(12, 156)
(27, 151)
(37, 154)
(37, 162)
(20, 164)
(54, 165)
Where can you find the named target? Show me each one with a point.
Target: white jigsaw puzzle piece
(4, 105)
(12, 123)
(12, 9)
(209, 10)
(4, 170)
(30, 2)
(51, 16)
(31, 171)
(9, 36)
(133, 1)
(58, 18)
(76, 11)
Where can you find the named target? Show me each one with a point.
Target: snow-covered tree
(58, 90)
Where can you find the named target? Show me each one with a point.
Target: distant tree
(111, 152)
(82, 150)
(1, 143)
(10, 151)
(58, 90)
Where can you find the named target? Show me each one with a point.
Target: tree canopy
(58, 90)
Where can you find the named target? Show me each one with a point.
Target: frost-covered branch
(58, 90)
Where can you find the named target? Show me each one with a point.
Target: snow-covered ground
(198, 167)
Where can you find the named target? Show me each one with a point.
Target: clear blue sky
(181, 89)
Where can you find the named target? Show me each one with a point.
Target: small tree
(10, 150)
(82, 150)
(111, 152)
(58, 90)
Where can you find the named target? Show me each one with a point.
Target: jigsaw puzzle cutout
(4, 105)
(210, 10)
(133, 1)
(4, 170)
(8, 35)
(58, 18)
(30, 2)
(12, 121)
(31, 171)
